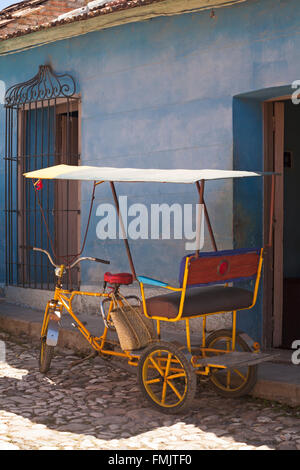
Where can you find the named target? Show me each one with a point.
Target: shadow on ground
(100, 399)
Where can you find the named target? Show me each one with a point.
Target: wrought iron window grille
(41, 129)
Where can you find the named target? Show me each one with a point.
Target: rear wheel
(166, 378)
(235, 382)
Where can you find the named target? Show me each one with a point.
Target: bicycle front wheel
(46, 352)
(45, 356)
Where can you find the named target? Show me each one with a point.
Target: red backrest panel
(221, 267)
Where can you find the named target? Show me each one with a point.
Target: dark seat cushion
(199, 301)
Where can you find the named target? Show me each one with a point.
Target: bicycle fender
(253, 345)
(52, 334)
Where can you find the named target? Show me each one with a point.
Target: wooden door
(278, 215)
(67, 212)
(273, 266)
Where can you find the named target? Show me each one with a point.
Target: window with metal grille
(42, 129)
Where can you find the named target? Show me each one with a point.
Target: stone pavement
(278, 380)
(98, 405)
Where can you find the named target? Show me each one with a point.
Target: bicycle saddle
(119, 278)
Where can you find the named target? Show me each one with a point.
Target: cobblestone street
(95, 406)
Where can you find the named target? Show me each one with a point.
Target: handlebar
(90, 258)
(34, 248)
(98, 260)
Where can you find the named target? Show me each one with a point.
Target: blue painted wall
(170, 93)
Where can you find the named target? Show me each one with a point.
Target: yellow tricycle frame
(169, 363)
(62, 301)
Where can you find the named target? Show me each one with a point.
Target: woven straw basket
(134, 330)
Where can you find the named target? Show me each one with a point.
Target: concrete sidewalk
(278, 380)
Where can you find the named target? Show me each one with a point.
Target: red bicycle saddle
(119, 278)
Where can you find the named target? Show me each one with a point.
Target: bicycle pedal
(80, 361)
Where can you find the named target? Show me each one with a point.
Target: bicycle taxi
(208, 285)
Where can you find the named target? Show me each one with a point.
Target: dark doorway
(291, 226)
(282, 264)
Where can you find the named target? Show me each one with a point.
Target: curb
(281, 392)
(67, 338)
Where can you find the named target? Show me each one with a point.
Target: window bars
(41, 130)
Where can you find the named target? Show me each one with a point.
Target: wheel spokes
(225, 378)
(165, 378)
(153, 381)
(174, 390)
(176, 376)
(164, 389)
(238, 372)
(228, 376)
(157, 366)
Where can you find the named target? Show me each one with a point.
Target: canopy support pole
(201, 201)
(123, 229)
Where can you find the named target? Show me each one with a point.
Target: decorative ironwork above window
(45, 85)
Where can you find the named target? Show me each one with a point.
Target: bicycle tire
(216, 379)
(157, 351)
(46, 354)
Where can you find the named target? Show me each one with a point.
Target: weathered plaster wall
(160, 94)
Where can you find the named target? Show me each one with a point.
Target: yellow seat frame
(187, 319)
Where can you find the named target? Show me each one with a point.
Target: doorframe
(65, 107)
(273, 138)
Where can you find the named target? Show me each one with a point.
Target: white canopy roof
(94, 173)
